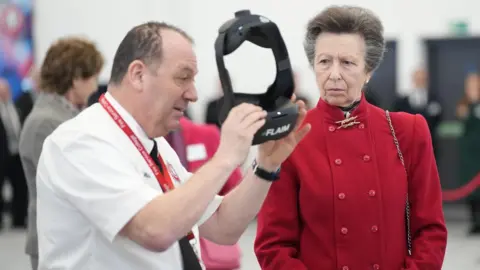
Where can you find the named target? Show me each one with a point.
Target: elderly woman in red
(341, 201)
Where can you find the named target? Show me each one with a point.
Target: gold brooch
(347, 122)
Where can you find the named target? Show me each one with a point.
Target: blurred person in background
(68, 76)
(371, 96)
(13, 166)
(25, 100)
(468, 111)
(195, 144)
(93, 98)
(340, 202)
(3, 166)
(211, 111)
(423, 102)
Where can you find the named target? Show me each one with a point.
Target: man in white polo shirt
(112, 198)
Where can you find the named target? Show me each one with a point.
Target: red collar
(333, 114)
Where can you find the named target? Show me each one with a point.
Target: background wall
(107, 21)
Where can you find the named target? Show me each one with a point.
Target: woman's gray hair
(352, 20)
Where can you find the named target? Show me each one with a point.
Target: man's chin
(174, 124)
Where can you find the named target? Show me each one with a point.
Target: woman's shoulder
(413, 124)
(402, 122)
(409, 128)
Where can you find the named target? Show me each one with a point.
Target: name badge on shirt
(196, 152)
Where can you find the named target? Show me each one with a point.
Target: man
(195, 144)
(68, 76)
(13, 167)
(112, 197)
(3, 166)
(211, 111)
(26, 99)
(422, 102)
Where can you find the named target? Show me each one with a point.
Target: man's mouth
(179, 109)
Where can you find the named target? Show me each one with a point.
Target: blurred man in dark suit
(26, 99)
(3, 165)
(13, 166)
(372, 97)
(211, 112)
(422, 102)
(93, 98)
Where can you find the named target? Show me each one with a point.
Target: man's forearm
(240, 206)
(175, 213)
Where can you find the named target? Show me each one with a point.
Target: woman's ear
(369, 76)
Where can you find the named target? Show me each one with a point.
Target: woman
(468, 111)
(68, 76)
(340, 202)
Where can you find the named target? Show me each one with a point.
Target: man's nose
(191, 94)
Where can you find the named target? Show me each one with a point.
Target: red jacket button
(376, 267)
(331, 128)
(341, 196)
(361, 126)
(338, 161)
(344, 230)
(371, 193)
(345, 268)
(366, 158)
(374, 228)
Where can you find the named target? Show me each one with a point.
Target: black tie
(189, 258)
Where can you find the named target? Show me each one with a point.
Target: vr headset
(282, 112)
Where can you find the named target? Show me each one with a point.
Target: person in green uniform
(468, 111)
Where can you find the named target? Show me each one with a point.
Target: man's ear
(135, 74)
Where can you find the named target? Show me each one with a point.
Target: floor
(463, 253)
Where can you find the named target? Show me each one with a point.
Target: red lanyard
(164, 180)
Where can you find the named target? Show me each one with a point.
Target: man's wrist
(223, 163)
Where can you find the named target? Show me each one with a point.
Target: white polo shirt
(91, 181)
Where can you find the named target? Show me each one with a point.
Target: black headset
(282, 112)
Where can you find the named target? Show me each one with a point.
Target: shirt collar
(131, 122)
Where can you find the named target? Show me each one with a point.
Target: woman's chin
(338, 100)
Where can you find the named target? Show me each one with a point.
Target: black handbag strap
(407, 204)
(189, 257)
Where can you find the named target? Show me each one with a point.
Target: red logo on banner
(11, 21)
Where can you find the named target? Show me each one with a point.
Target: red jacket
(340, 199)
(195, 135)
